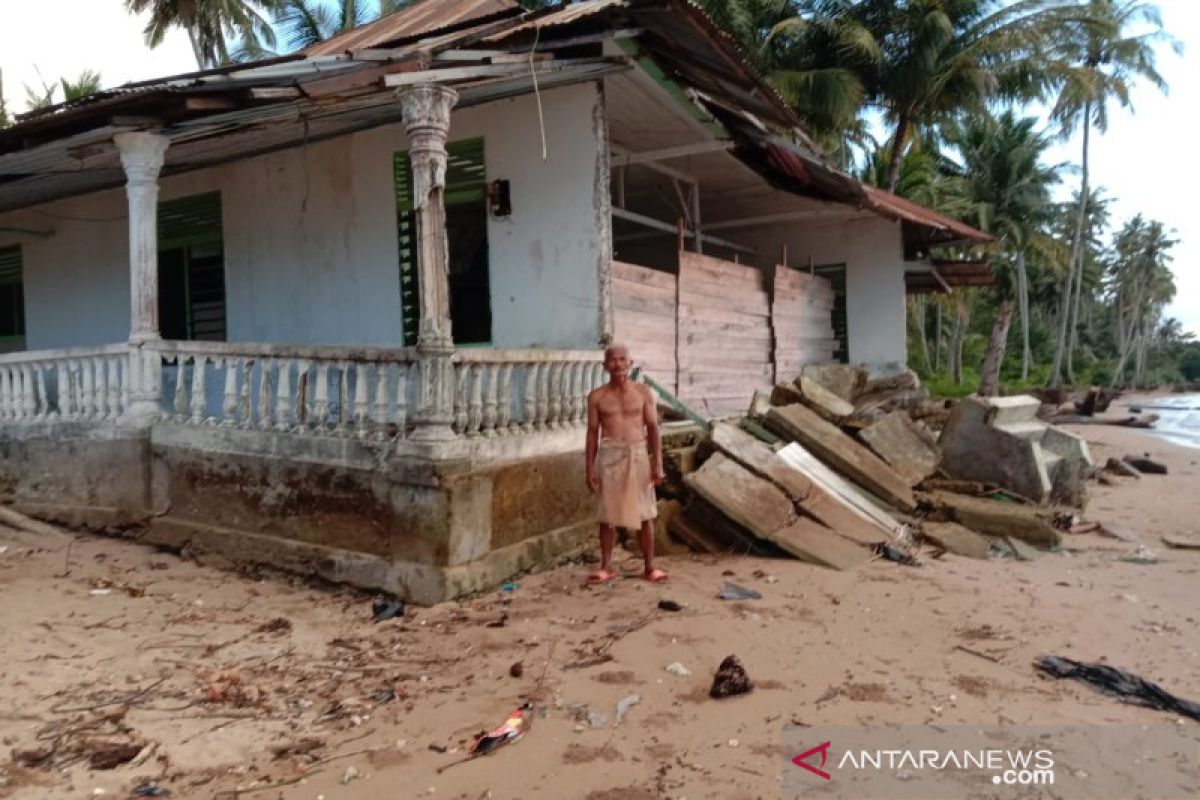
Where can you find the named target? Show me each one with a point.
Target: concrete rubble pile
(840, 466)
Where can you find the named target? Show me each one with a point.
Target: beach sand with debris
(225, 680)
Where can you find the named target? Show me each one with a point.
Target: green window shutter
(406, 234)
(191, 268)
(12, 293)
(189, 220)
(466, 190)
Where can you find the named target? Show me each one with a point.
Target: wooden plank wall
(644, 319)
(725, 348)
(801, 317)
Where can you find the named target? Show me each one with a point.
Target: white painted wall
(873, 252)
(310, 238)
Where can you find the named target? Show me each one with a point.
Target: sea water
(1178, 417)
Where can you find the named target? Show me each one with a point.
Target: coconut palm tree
(1098, 56)
(1142, 285)
(304, 23)
(210, 24)
(87, 83)
(1004, 189)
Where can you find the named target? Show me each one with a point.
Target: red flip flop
(602, 576)
(656, 576)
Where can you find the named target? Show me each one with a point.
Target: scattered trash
(887, 552)
(732, 742)
(624, 704)
(731, 679)
(510, 586)
(350, 775)
(150, 790)
(827, 695)
(669, 605)
(1143, 555)
(677, 669)
(1118, 683)
(488, 742)
(438, 748)
(499, 623)
(517, 669)
(596, 720)
(100, 592)
(732, 591)
(386, 609)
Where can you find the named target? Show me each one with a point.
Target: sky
(1142, 160)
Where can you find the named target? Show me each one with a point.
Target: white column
(426, 112)
(142, 157)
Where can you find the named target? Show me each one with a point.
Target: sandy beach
(212, 669)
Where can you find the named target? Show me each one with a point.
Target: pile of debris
(1062, 407)
(839, 467)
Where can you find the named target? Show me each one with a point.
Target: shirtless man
(624, 462)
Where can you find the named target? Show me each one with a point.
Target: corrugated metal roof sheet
(560, 17)
(419, 19)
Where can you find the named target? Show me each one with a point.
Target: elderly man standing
(624, 462)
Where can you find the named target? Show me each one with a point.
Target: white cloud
(65, 38)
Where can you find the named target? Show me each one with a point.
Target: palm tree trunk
(195, 42)
(902, 126)
(921, 319)
(1023, 298)
(1076, 262)
(956, 345)
(989, 382)
(937, 342)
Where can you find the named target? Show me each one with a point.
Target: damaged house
(339, 311)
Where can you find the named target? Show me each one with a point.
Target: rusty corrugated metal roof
(560, 17)
(811, 172)
(419, 19)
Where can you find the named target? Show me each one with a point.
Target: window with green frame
(836, 275)
(191, 268)
(12, 298)
(466, 227)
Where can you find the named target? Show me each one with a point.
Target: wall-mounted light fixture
(499, 198)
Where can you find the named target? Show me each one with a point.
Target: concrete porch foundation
(340, 508)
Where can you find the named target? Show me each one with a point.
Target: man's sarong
(626, 494)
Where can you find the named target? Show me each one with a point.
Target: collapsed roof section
(486, 49)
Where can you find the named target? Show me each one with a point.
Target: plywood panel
(644, 319)
(801, 318)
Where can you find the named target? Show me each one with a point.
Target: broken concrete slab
(856, 462)
(1023, 550)
(974, 450)
(1118, 467)
(760, 404)
(748, 500)
(842, 380)
(1182, 541)
(1013, 410)
(954, 538)
(1031, 524)
(795, 456)
(784, 394)
(823, 401)
(808, 494)
(761, 508)
(1068, 481)
(905, 445)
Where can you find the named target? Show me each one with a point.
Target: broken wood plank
(904, 445)
(811, 498)
(844, 381)
(835, 448)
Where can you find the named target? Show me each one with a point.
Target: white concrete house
(340, 310)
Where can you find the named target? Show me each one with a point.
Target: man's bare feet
(656, 576)
(602, 576)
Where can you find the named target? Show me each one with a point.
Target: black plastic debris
(669, 605)
(731, 679)
(1118, 683)
(386, 609)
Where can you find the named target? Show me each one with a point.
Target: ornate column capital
(142, 156)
